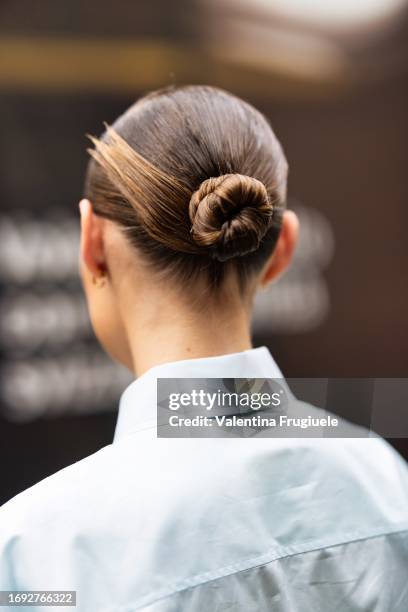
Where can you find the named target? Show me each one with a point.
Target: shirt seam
(276, 554)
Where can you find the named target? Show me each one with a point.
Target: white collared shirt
(210, 525)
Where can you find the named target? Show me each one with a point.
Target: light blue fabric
(211, 525)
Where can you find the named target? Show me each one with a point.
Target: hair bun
(230, 214)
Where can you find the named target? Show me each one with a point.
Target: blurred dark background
(332, 78)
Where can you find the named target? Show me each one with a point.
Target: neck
(173, 333)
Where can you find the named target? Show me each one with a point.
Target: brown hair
(197, 179)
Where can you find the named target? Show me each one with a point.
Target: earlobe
(92, 243)
(284, 249)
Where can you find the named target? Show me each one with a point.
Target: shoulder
(362, 481)
(47, 501)
(34, 522)
(80, 496)
(354, 450)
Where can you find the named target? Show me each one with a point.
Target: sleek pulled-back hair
(197, 179)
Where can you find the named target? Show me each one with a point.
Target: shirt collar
(137, 406)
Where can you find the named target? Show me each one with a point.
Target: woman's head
(191, 183)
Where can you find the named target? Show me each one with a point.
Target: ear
(92, 240)
(284, 249)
